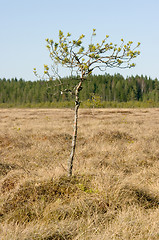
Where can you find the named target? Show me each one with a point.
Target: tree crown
(82, 61)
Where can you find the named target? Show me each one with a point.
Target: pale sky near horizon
(25, 24)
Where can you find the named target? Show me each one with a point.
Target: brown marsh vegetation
(114, 191)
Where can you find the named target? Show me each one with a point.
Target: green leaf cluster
(73, 54)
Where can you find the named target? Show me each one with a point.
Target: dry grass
(114, 192)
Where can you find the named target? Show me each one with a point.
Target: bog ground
(114, 191)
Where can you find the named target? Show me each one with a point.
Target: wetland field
(114, 191)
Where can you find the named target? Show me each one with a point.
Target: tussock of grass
(21, 203)
(5, 168)
(132, 195)
(113, 136)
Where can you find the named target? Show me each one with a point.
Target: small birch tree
(82, 61)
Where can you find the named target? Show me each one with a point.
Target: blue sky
(25, 24)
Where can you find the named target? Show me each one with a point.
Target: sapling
(82, 60)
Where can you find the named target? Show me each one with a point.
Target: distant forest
(107, 87)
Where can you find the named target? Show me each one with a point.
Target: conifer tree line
(107, 87)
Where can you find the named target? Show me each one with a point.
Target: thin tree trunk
(74, 137)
